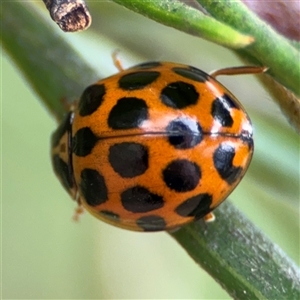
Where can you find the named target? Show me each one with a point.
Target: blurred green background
(45, 255)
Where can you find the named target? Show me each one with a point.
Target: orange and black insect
(154, 147)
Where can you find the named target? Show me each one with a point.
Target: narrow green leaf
(176, 14)
(240, 257)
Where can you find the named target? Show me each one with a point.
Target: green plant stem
(244, 261)
(176, 14)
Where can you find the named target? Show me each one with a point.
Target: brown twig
(70, 15)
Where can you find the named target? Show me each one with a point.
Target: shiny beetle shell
(153, 147)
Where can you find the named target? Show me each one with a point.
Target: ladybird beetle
(153, 147)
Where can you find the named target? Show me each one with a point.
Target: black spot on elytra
(247, 134)
(93, 188)
(63, 171)
(247, 138)
(182, 175)
(128, 113)
(179, 95)
(197, 206)
(148, 65)
(91, 99)
(110, 215)
(220, 110)
(137, 80)
(83, 141)
(65, 126)
(129, 159)
(140, 200)
(191, 73)
(184, 133)
(223, 157)
(151, 223)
